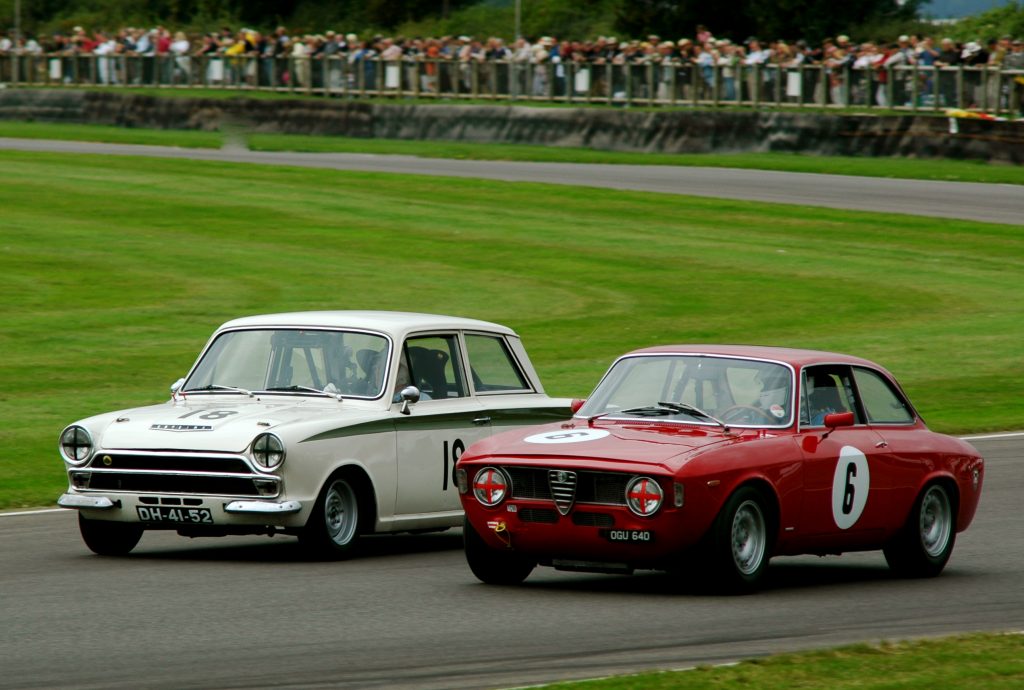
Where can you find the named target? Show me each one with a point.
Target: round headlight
(644, 496)
(76, 445)
(490, 486)
(268, 451)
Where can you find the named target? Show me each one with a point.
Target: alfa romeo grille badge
(563, 489)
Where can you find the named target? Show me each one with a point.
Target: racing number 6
(851, 472)
(458, 448)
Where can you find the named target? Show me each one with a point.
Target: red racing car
(713, 459)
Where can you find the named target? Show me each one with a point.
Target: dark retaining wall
(668, 131)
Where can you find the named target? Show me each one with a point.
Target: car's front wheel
(492, 566)
(925, 543)
(739, 542)
(109, 538)
(333, 527)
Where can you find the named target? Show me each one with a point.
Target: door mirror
(576, 404)
(409, 395)
(176, 386)
(838, 419)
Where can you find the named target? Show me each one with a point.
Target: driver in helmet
(774, 396)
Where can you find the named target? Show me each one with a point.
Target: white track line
(35, 512)
(988, 437)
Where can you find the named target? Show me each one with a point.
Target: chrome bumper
(263, 507)
(79, 501)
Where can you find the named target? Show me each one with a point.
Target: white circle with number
(850, 487)
(567, 436)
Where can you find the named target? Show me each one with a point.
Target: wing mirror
(576, 404)
(835, 420)
(409, 395)
(176, 386)
(838, 419)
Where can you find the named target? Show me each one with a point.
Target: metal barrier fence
(915, 88)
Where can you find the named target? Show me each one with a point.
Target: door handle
(482, 420)
(881, 444)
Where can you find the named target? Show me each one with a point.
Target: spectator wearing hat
(973, 55)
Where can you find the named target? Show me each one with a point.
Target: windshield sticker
(577, 436)
(777, 411)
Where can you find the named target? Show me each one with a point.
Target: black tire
(739, 544)
(492, 566)
(337, 520)
(924, 545)
(109, 538)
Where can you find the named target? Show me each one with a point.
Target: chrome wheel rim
(936, 521)
(341, 512)
(749, 537)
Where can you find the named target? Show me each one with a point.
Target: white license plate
(630, 536)
(189, 516)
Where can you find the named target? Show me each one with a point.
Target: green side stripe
(454, 420)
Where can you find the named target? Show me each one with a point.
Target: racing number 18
(457, 448)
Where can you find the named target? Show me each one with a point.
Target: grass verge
(115, 271)
(970, 662)
(943, 170)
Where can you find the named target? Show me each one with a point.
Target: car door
(846, 475)
(438, 428)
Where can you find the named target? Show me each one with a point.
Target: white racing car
(324, 425)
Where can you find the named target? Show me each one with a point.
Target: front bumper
(224, 511)
(90, 502)
(589, 533)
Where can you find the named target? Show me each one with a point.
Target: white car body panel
(149, 455)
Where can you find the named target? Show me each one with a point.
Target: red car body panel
(800, 469)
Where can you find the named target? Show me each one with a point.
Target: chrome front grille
(605, 488)
(175, 472)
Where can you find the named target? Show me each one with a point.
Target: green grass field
(116, 270)
(950, 170)
(967, 662)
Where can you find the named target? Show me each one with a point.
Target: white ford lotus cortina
(324, 425)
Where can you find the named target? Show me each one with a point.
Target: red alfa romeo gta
(713, 459)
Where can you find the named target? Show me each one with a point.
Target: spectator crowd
(698, 67)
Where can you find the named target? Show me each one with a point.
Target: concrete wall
(675, 131)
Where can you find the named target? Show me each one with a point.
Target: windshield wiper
(693, 410)
(304, 389)
(218, 387)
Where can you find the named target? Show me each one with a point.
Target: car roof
(793, 356)
(392, 322)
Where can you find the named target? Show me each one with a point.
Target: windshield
(293, 361)
(695, 389)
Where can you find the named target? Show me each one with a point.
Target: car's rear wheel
(925, 543)
(739, 542)
(491, 565)
(333, 528)
(109, 538)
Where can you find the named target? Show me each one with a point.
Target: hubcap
(936, 521)
(341, 513)
(748, 538)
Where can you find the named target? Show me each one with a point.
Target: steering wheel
(746, 408)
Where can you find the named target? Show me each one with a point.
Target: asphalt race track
(996, 203)
(251, 613)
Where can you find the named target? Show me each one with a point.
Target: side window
(882, 404)
(435, 366)
(492, 367)
(824, 390)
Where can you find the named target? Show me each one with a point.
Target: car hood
(223, 424)
(664, 445)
